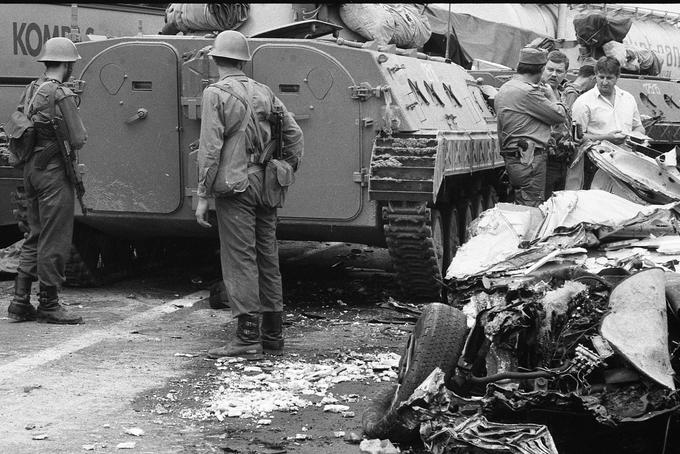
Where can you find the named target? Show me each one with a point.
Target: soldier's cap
(533, 56)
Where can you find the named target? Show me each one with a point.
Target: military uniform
(229, 162)
(49, 193)
(247, 228)
(524, 117)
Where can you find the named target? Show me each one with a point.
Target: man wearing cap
(49, 193)
(235, 126)
(526, 110)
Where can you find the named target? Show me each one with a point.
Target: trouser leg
(236, 224)
(271, 297)
(28, 257)
(528, 180)
(55, 205)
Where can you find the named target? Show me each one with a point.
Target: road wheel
(476, 205)
(436, 341)
(465, 219)
(490, 197)
(438, 238)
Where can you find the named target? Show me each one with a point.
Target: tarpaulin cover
(400, 24)
(188, 17)
(596, 29)
(482, 39)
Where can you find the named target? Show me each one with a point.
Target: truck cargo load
(192, 17)
(402, 24)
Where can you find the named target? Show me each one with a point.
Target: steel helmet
(231, 44)
(59, 49)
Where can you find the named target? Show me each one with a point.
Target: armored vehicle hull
(400, 149)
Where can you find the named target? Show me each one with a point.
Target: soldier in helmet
(49, 193)
(234, 128)
(526, 110)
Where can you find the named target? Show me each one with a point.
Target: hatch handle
(141, 114)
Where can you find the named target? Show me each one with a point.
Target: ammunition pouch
(278, 176)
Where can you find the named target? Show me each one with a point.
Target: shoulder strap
(28, 107)
(244, 122)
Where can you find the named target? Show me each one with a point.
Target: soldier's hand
(548, 91)
(202, 212)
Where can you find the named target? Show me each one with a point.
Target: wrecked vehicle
(566, 317)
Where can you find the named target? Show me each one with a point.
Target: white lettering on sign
(652, 89)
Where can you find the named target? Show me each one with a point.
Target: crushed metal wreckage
(571, 306)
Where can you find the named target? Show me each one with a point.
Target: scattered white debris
(126, 445)
(339, 434)
(255, 390)
(264, 422)
(160, 409)
(377, 447)
(335, 408)
(136, 431)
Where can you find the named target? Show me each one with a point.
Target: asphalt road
(139, 362)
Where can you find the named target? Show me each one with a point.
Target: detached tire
(437, 340)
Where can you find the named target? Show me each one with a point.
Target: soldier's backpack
(20, 131)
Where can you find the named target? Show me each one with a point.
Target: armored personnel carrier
(400, 148)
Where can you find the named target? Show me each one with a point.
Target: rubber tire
(437, 340)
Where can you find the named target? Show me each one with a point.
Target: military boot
(21, 309)
(248, 343)
(272, 332)
(50, 311)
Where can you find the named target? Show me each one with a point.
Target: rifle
(273, 150)
(69, 157)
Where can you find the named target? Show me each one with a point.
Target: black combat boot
(248, 343)
(50, 311)
(272, 332)
(21, 309)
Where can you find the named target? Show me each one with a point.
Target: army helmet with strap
(59, 49)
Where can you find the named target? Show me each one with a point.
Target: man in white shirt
(607, 112)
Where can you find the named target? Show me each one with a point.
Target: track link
(402, 169)
(408, 232)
